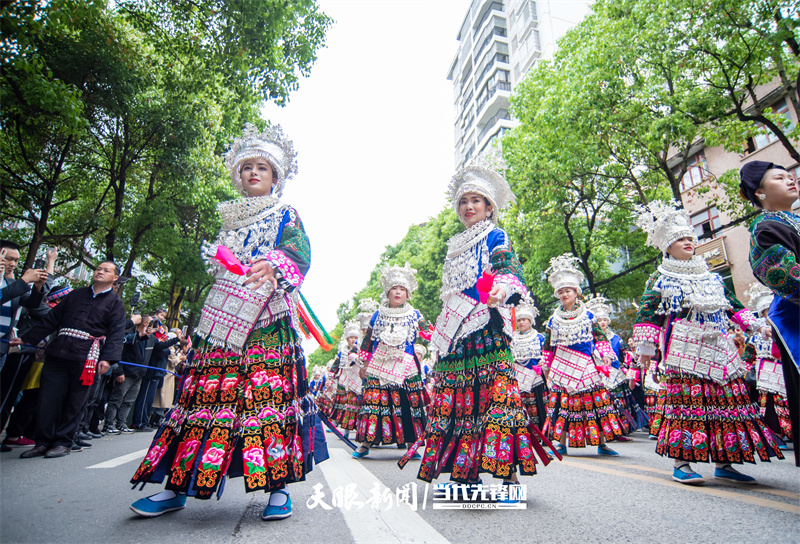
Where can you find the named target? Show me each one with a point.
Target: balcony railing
(493, 6)
(490, 92)
(498, 57)
(502, 114)
(490, 33)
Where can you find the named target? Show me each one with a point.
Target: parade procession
(587, 328)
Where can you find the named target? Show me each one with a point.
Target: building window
(762, 140)
(706, 221)
(696, 172)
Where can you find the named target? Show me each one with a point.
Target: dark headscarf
(750, 177)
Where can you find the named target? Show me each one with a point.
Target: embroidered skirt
(581, 416)
(391, 413)
(478, 423)
(651, 397)
(704, 421)
(775, 411)
(236, 415)
(535, 403)
(632, 417)
(346, 407)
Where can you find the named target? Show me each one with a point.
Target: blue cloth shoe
(272, 513)
(150, 509)
(562, 450)
(605, 450)
(688, 476)
(732, 475)
(358, 455)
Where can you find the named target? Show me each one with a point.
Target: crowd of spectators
(72, 365)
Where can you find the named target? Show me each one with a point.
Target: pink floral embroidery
(699, 440)
(225, 415)
(229, 382)
(731, 443)
(202, 415)
(211, 385)
(155, 454)
(254, 461)
(212, 458)
(259, 379)
(251, 422)
(187, 452)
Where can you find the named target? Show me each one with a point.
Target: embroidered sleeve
(601, 342)
(424, 328)
(506, 265)
(291, 258)
(739, 314)
(365, 353)
(772, 262)
(547, 350)
(648, 326)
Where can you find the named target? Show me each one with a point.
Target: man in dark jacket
(89, 323)
(139, 348)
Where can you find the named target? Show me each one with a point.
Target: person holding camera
(138, 349)
(16, 294)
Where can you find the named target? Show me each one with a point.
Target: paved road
(84, 498)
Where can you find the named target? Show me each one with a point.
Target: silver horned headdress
(564, 272)
(759, 296)
(664, 223)
(481, 176)
(392, 276)
(271, 145)
(599, 307)
(351, 328)
(367, 307)
(527, 310)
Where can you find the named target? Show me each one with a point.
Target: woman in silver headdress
(706, 414)
(478, 423)
(392, 408)
(347, 401)
(239, 408)
(526, 346)
(576, 356)
(763, 356)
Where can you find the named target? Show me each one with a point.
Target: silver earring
(762, 197)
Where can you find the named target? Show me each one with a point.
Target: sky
(373, 128)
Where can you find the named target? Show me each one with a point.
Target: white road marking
(398, 523)
(121, 460)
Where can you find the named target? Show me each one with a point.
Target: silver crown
(367, 307)
(482, 176)
(392, 276)
(271, 145)
(563, 272)
(760, 297)
(527, 310)
(351, 328)
(599, 307)
(664, 223)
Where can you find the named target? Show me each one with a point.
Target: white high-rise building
(498, 43)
